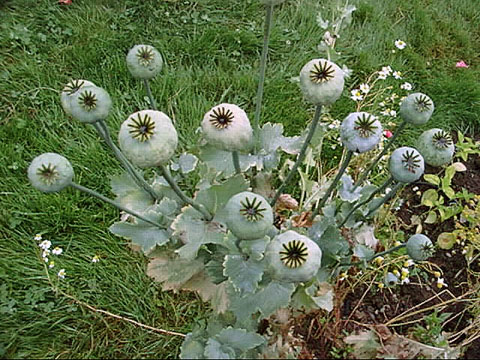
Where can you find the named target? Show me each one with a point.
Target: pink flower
(461, 64)
(387, 133)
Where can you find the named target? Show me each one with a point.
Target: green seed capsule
(90, 104)
(71, 88)
(360, 132)
(50, 172)
(416, 108)
(436, 147)
(419, 247)
(144, 61)
(321, 82)
(406, 164)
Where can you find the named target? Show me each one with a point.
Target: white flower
(343, 276)
(387, 190)
(382, 75)
(364, 88)
(397, 75)
(61, 274)
(387, 69)
(405, 281)
(45, 254)
(406, 86)
(45, 244)
(51, 264)
(405, 272)
(382, 104)
(393, 113)
(57, 251)
(396, 273)
(409, 263)
(415, 188)
(441, 283)
(379, 259)
(38, 237)
(400, 44)
(95, 259)
(385, 112)
(356, 95)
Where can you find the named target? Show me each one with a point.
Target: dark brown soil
(362, 307)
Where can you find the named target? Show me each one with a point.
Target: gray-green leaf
(240, 339)
(244, 274)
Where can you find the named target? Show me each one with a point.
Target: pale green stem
(102, 130)
(386, 198)
(236, 162)
(261, 81)
(377, 191)
(301, 155)
(322, 202)
(379, 157)
(386, 252)
(111, 202)
(153, 105)
(168, 176)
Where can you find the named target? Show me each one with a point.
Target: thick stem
(166, 174)
(386, 252)
(102, 130)
(379, 157)
(153, 105)
(261, 81)
(333, 184)
(377, 191)
(236, 162)
(386, 198)
(301, 155)
(111, 202)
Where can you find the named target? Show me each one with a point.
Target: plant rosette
(90, 104)
(406, 164)
(144, 62)
(227, 127)
(360, 132)
(248, 216)
(148, 138)
(419, 247)
(416, 108)
(436, 147)
(71, 88)
(50, 172)
(293, 257)
(321, 82)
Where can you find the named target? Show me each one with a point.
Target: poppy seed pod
(321, 82)
(249, 216)
(227, 127)
(416, 108)
(144, 61)
(293, 257)
(90, 104)
(406, 164)
(71, 88)
(360, 132)
(436, 147)
(50, 172)
(419, 247)
(148, 138)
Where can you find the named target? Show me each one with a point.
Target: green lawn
(211, 49)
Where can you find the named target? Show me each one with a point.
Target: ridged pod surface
(419, 247)
(417, 108)
(50, 172)
(436, 147)
(406, 164)
(71, 88)
(144, 62)
(90, 104)
(360, 132)
(321, 81)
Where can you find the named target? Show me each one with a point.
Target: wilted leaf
(446, 240)
(173, 273)
(459, 167)
(346, 191)
(365, 235)
(431, 217)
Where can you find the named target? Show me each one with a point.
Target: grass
(211, 49)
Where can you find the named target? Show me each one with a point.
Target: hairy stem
(153, 105)
(102, 130)
(377, 191)
(322, 202)
(379, 157)
(387, 197)
(168, 176)
(301, 155)
(236, 162)
(386, 252)
(113, 203)
(261, 81)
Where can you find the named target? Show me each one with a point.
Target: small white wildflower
(45, 244)
(61, 274)
(393, 113)
(45, 259)
(95, 259)
(51, 264)
(38, 237)
(408, 263)
(405, 281)
(405, 272)
(387, 190)
(45, 253)
(397, 243)
(441, 283)
(356, 95)
(397, 75)
(387, 69)
(385, 112)
(464, 251)
(343, 276)
(406, 86)
(382, 75)
(400, 44)
(415, 188)
(364, 88)
(288, 42)
(396, 273)
(57, 250)
(378, 260)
